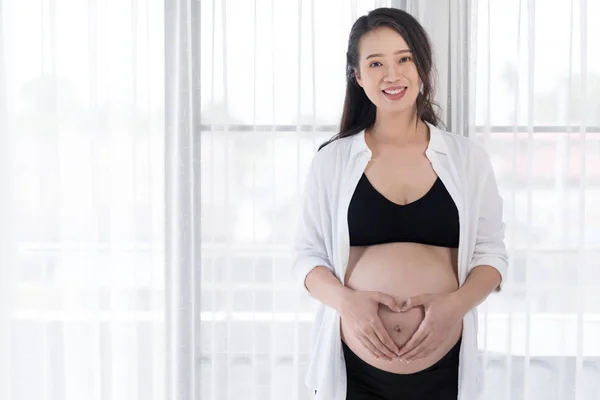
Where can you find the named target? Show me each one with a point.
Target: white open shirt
(322, 239)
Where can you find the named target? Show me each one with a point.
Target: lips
(394, 93)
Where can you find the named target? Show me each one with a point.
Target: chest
(403, 177)
(401, 180)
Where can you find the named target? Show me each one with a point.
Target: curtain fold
(447, 24)
(7, 228)
(500, 83)
(272, 83)
(82, 208)
(537, 117)
(182, 201)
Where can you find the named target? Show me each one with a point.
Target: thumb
(414, 301)
(389, 301)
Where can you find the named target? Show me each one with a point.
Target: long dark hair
(359, 112)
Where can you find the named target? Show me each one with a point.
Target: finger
(417, 338)
(372, 348)
(365, 342)
(429, 351)
(414, 301)
(419, 350)
(411, 348)
(385, 338)
(387, 300)
(380, 346)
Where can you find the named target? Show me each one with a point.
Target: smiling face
(387, 71)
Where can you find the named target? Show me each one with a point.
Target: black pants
(438, 382)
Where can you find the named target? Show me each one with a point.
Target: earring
(421, 89)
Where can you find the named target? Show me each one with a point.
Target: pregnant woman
(401, 234)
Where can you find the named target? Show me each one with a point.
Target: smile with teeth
(395, 91)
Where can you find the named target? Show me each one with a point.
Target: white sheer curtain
(82, 200)
(519, 76)
(182, 205)
(104, 258)
(536, 83)
(448, 23)
(272, 87)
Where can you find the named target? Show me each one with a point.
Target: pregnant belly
(401, 270)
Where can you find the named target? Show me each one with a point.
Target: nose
(391, 73)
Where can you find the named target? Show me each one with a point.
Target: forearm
(325, 287)
(482, 281)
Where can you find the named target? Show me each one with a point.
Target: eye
(405, 59)
(375, 64)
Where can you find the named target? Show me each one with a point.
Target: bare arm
(325, 287)
(480, 283)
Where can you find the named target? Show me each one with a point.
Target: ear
(357, 76)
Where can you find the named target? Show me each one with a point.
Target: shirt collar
(436, 141)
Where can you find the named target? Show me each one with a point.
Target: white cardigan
(322, 239)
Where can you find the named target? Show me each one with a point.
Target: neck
(401, 128)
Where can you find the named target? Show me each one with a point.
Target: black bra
(373, 219)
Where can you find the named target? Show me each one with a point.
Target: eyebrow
(381, 55)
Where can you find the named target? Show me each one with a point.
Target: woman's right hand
(360, 313)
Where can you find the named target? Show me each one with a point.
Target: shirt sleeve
(490, 248)
(309, 248)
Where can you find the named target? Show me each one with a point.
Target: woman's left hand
(442, 314)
